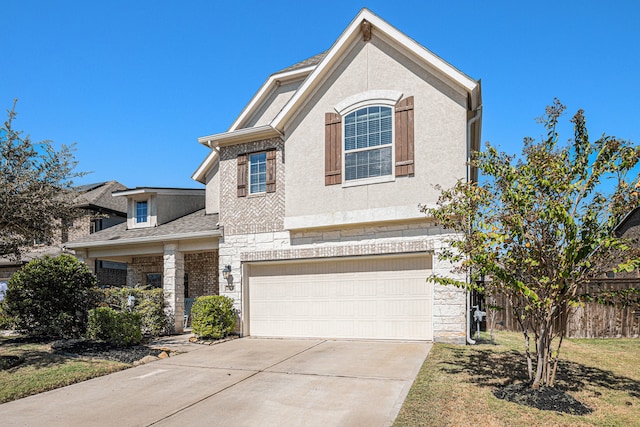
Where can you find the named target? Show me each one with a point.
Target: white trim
(373, 179)
(368, 98)
(200, 174)
(147, 239)
(249, 174)
(240, 136)
(356, 217)
(164, 191)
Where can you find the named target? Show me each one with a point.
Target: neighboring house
(100, 211)
(312, 196)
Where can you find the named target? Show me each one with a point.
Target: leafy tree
(542, 227)
(35, 189)
(51, 297)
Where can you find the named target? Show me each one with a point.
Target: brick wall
(139, 267)
(202, 270)
(252, 213)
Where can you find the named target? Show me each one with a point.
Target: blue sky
(135, 83)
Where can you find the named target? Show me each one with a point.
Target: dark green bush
(119, 328)
(213, 316)
(51, 297)
(149, 303)
(6, 322)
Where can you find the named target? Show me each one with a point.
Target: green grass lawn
(455, 384)
(41, 370)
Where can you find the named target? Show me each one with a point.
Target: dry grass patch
(455, 385)
(28, 368)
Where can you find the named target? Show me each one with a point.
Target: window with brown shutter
(404, 137)
(332, 149)
(271, 171)
(242, 175)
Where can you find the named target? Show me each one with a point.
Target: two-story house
(312, 195)
(98, 211)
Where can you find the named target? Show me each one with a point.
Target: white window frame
(377, 179)
(250, 175)
(132, 216)
(135, 211)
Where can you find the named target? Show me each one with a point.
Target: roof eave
(239, 136)
(143, 240)
(200, 174)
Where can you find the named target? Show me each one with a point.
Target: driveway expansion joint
(255, 372)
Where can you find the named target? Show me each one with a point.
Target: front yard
(455, 385)
(29, 367)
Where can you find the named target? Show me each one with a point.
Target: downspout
(470, 122)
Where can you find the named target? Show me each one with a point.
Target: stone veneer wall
(449, 302)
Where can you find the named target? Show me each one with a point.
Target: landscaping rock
(163, 355)
(148, 359)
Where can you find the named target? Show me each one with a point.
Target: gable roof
(316, 68)
(98, 196)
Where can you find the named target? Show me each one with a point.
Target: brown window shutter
(271, 171)
(242, 175)
(404, 137)
(332, 149)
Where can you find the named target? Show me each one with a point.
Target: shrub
(213, 316)
(6, 322)
(119, 328)
(51, 297)
(149, 303)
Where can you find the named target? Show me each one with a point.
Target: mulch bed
(101, 350)
(545, 398)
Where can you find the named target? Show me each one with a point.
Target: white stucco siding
(212, 193)
(272, 105)
(440, 137)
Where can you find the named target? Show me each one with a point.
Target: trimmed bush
(213, 317)
(119, 328)
(149, 303)
(51, 297)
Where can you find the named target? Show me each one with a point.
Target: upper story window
(368, 143)
(369, 139)
(142, 212)
(258, 173)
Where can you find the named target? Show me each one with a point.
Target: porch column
(83, 257)
(173, 286)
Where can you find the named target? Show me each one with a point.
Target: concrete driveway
(243, 382)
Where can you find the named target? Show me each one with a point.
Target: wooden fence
(590, 320)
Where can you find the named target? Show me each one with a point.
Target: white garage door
(379, 298)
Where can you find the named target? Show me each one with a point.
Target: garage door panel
(382, 298)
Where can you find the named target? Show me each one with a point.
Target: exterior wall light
(226, 273)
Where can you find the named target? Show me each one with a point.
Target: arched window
(368, 143)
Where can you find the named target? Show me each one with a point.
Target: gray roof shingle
(314, 60)
(192, 223)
